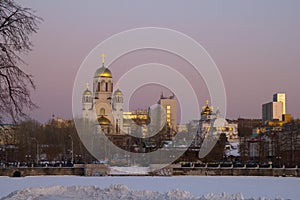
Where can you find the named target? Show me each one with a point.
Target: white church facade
(103, 102)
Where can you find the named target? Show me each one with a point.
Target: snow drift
(114, 192)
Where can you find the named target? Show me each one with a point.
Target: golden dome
(118, 92)
(206, 110)
(103, 72)
(87, 92)
(103, 121)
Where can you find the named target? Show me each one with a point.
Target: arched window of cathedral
(112, 87)
(109, 86)
(98, 88)
(106, 87)
(102, 85)
(117, 125)
(102, 111)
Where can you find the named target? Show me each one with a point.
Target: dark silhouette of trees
(50, 142)
(217, 153)
(16, 25)
(26, 133)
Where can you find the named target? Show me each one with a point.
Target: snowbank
(270, 187)
(116, 192)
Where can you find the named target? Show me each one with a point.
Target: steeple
(87, 99)
(87, 91)
(103, 71)
(206, 110)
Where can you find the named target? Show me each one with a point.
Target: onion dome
(103, 72)
(103, 121)
(87, 92)
(206, 110)
(118, 92)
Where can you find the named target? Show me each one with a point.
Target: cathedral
(102, 102)
(105, 104)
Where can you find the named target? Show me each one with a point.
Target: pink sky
(255, 45)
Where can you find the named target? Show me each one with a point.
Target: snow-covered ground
(114, 192)
(129, 170)
(269, 187)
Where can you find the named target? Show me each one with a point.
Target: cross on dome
(103, 58)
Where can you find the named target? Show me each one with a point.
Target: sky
(255, 45)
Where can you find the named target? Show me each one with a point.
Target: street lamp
(72, 150)
(28, 158)
(78, 158)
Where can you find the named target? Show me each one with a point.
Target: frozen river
(269, 187)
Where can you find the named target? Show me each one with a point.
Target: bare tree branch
(16, 25)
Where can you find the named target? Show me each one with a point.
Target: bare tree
(16, 25)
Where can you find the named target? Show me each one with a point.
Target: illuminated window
(102, 111)
(169, 115)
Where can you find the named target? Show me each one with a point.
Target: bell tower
(87, 103)
(103, 88)
(118, 110)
